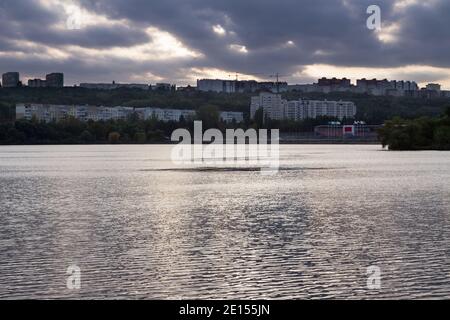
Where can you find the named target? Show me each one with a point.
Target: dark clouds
(90, 37)
(28, 20)
(329, 32)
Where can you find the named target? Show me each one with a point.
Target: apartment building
(233, 86)
(50, 113)
(167, 115)
(55, 80)
(273, 106)
(114, 86)
(276, 108)
(230, 117)
(10, 80)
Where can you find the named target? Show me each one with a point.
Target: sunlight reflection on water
(140, 227)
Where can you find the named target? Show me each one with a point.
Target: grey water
(140, 228)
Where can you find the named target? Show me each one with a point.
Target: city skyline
(182, 41)
(205, 84)
(224, 158)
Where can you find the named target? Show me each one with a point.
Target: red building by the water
(347, 131)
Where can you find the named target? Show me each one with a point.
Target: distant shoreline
(291, 142)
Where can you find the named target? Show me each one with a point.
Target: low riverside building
(49, 113)
(357, 130)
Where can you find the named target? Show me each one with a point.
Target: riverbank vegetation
(371, 109)
(133, 130)
(419, 134)
(403, 133)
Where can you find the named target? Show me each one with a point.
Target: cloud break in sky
(179, 41)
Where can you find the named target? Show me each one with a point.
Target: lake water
(139, 229)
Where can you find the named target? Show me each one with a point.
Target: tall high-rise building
(273, 106)
(55, 80)
(10, 79)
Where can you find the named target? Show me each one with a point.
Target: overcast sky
(178, 41)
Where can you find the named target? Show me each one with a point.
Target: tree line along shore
(424, 133)
(410, 123)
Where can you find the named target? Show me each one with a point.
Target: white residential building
(295, 111)
(230, 117)
(276, 108)
(167, 115)
(273, 106)
(49, 113)
(313, 109)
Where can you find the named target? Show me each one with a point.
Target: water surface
(138, 227)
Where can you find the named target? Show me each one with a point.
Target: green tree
(140, 137)
(442, 137)
(114, 137)
(447, 112)
(259, 118)
(87, 137)
(209, 115)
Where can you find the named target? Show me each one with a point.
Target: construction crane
(237, 76)
(277, 76)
